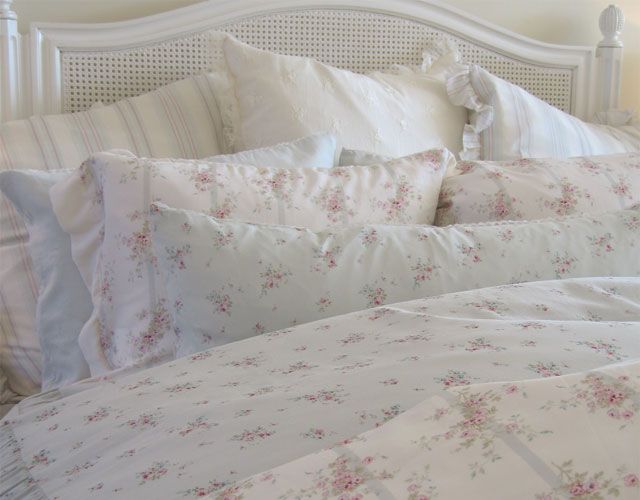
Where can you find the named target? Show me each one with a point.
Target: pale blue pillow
(64, 303)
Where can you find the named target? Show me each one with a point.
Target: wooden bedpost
(9, 63)
(609, 59)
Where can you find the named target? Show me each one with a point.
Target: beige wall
(555, 21)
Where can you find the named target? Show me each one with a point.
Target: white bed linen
(195, 425)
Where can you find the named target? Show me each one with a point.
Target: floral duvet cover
(477, 394)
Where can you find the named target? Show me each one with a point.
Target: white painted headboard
(67, 67)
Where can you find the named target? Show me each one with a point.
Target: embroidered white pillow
(229, 280)
(534, 188)
(275, 97)
(508, 123)
(180, 120)
(104, 207)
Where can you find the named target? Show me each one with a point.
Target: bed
(428, 288)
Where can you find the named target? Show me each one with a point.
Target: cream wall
(555, 21)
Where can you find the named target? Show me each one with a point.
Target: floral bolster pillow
(108, 221)
(229, 280)
(530, 189)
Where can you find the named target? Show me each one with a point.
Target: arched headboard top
(71, 66)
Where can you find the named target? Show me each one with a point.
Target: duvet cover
(529, 388)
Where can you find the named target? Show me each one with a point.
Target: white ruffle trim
(462, 93)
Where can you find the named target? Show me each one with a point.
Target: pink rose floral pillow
(481, 191)
(105, 205)
(229, 280)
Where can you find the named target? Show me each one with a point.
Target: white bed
(495, 358)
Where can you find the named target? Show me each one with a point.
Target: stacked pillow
(112, 277)
(46, 345)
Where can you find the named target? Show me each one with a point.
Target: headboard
(67, 67)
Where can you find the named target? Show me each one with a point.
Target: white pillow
(276, 97)
(530, 189)
(179, 120)
(240, 286)
(508, 123)
(104, 207)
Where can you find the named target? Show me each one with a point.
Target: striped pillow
(507, 123)
(178, 120)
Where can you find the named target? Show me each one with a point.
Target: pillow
(388, 114)
(531, 189)
(64, 303)
(180, 120)
(508, 123)
(241, 286)
(104, 207)
(357, 157)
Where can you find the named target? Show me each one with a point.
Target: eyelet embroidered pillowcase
(228, 280)
(391, 114)
(479, 191)
(179, 120)
(63, 301)
(107, 218)
(508, 123)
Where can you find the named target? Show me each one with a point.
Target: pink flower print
(253, 435)
(46, 414)
(333, 201)
(506, 235)
(465, 166)
(395, 208)
(186, 227)
(41, 458)
(390, 381)
(259, 329)
(548, 369)
(248, 361)
(314, 433)
(197, 424)
(423, 272)
(480, 344)
(273, 277)
(566, 203)
(471, 254)
(454, 378)
(222, 239)
(622, 189)
(100, 414)
(631, 480)
(375, 295)
(224, 209)
(432, 158)
(323, 303)
(221, 302)
(352, 338)
(601, 244)
(322, 396)
(144, 421)
(178, 388)
(609, 349)
(563, 264)
(139, 245)
(203, 491)
(368, 237)
(159, 324)
(501, 207)
(153, 473)
(202, 179)
(177, 255)
(326, 257)
(632, 222)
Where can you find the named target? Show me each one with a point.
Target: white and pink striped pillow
(178, 120)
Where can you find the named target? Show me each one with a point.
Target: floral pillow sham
(104, 207)
(481, 191)
(229, 280)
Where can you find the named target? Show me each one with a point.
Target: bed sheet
(199, 424)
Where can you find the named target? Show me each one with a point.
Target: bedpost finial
(5, 10)
(611, 24)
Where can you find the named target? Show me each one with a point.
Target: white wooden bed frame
(67, 67)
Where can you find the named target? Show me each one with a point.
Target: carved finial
(5, 10)
(611, 24)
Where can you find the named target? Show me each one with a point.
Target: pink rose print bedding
(574, 436)
(225, 422)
